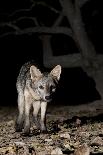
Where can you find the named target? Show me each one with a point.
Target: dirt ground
(69, 128)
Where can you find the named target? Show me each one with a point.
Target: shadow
(75, 87)
(83, 120)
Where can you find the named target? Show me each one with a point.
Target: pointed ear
(56, 72)
(35, 72)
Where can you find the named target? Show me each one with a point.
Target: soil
(69, 127)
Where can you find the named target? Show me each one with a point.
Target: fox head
(45, 84)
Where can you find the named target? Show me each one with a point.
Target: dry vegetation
(72, 130)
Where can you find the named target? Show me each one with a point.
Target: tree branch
(82, 2)
(37, 29)
(58, 20)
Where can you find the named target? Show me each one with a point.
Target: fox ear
(56, 72)
(35, 72)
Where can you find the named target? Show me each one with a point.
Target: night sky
(75, 86)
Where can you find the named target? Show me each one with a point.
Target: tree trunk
(70, 60)
(72, 12)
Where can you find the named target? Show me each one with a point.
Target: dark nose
(47, 97)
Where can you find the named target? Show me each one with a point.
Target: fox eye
(53, 88)
(41, 87)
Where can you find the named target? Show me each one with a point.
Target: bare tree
(87, 57)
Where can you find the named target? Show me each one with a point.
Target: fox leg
(36, 108)
(43, 116)
(28, 103)
(19, 121)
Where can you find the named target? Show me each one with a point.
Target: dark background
(75, 87)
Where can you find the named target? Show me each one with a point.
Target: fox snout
(48, 98)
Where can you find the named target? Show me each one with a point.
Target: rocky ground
(71, 130)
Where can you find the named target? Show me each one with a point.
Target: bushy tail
(26, 67)
(21, 77)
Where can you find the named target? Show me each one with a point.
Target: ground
(69, 127)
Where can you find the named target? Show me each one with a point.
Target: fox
(35, 90)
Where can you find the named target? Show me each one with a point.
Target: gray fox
(35, 90)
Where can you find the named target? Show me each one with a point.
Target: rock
(67, 145)
(97, 141)
(82, 150)
(19, 143)
(78, 122)
(10, 123)
(65, 135)
(57, 151)
(48, 140)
